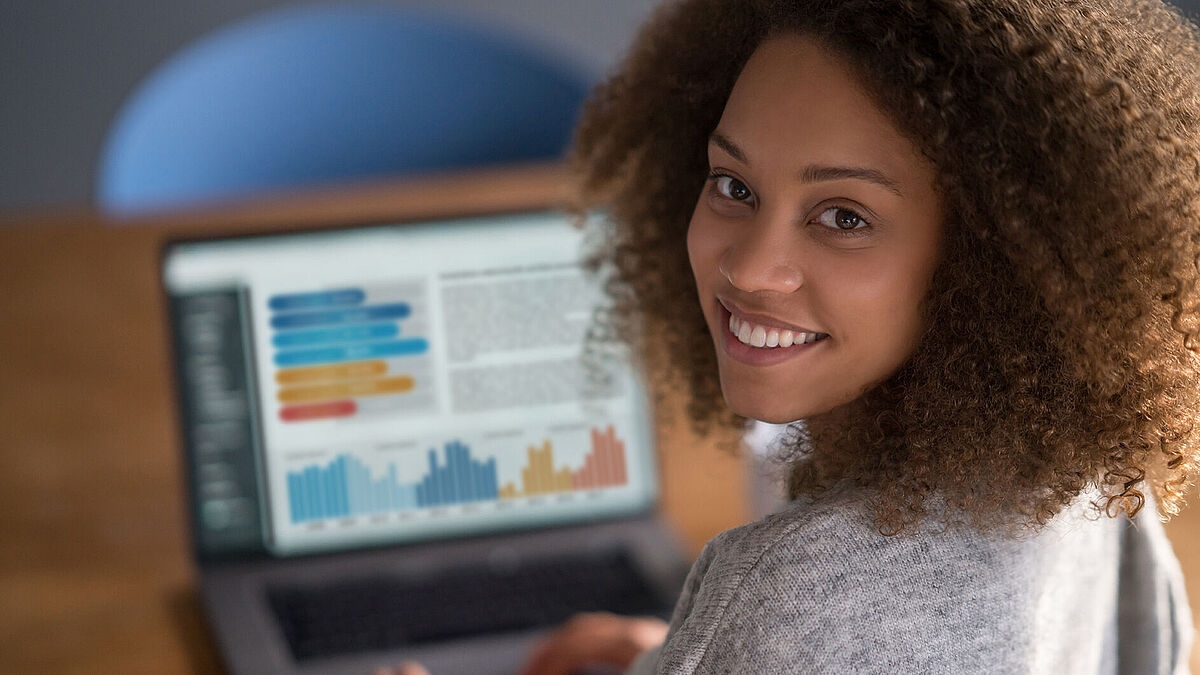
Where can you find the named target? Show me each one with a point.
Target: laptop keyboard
(387, 612)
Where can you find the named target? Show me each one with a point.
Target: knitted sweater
(816, 589)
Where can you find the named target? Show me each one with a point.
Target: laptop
(399, 444)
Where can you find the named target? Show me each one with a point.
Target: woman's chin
(771, 409)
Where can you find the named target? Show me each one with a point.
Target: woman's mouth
(769, 337)
(756, 341)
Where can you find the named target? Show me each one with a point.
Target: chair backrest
(327, 93)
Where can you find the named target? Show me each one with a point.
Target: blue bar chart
(345, 487)
(461, 480)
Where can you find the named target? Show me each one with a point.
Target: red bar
(580, 477)
(619, 453)
(604, 456)
(301, 413)
(610, 456)
(597, 457)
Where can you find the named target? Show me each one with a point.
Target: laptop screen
(395, 383)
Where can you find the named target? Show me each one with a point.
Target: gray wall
(66, 66)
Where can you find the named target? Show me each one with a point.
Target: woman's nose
(762, 259)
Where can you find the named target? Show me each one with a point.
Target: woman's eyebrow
(728, 146)
(816, 173)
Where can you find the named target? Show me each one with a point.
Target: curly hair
(1060, 351)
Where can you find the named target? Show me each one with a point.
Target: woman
(958, 239)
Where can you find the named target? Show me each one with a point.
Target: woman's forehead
(796, 104)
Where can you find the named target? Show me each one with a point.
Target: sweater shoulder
(816, 585)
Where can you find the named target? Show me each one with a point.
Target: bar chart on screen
(350, 485)
(341, 353)
(604, 466)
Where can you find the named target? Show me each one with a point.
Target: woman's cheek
(704, 244)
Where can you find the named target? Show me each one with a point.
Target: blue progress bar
(398, 310)
(321, 336)
(374, 350)
(335, 298)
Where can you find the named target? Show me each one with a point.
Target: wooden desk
(95, 574)
(95, 570)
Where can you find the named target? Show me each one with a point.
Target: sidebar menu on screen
(216, 396)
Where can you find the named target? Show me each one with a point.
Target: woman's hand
(593, 639)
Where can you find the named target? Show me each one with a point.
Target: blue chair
(327, 93)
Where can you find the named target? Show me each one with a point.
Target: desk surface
(95, 569)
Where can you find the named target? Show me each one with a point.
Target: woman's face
(815, 238)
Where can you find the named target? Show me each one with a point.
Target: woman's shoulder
(817, 587)
(837, 533)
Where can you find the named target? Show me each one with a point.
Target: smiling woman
(955, 242)
(820, 220)
(1012, 186)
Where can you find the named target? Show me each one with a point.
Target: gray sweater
(816, 589)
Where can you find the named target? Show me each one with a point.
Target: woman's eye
(841, 219)
(730, 187)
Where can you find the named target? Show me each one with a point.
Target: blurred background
(66, 68)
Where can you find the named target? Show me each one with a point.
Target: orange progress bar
(338, 371)
(388, 385)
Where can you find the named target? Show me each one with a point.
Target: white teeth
(765, 337)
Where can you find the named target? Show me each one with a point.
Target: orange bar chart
(603, 467)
